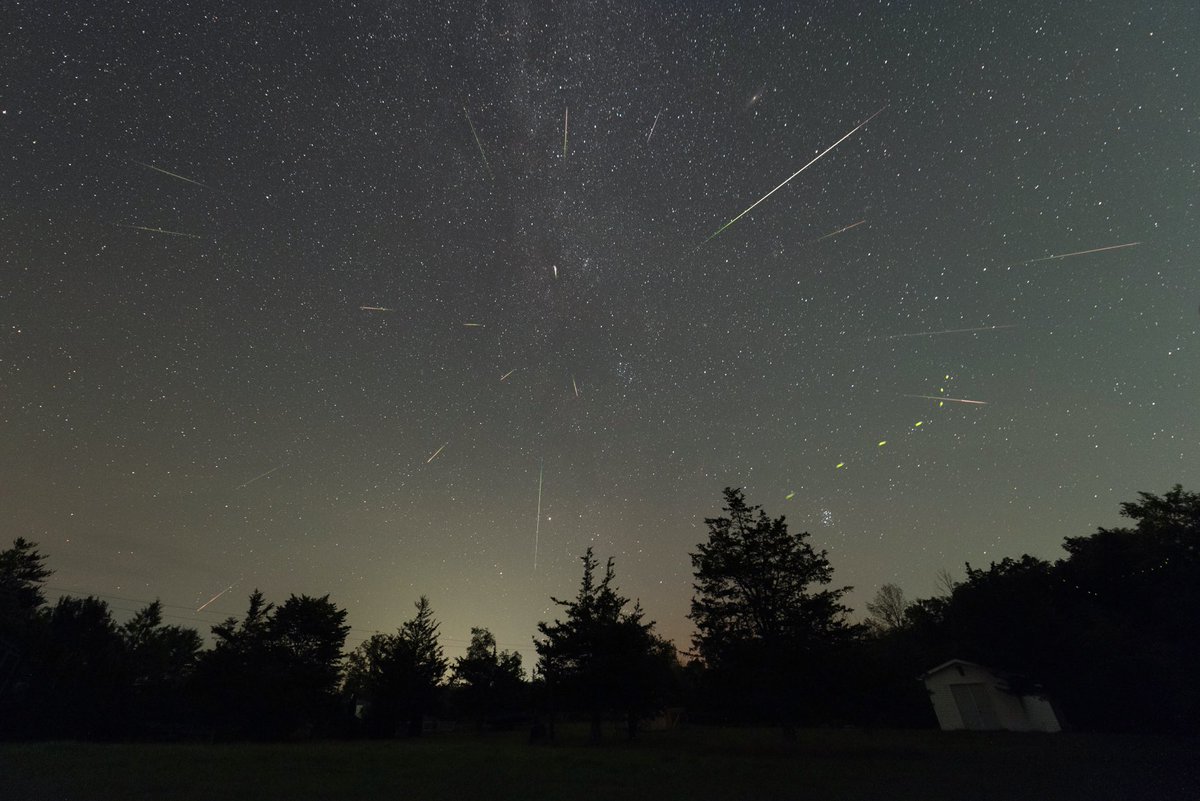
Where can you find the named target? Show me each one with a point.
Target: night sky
(206, 404)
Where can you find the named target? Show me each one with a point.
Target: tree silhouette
(22, 573)
(888, 609)
(598, 659)
(1135, 593)
(160, 660)
(490, 682)
(759, 621)
(274, 673)
(79, 686)
(396, 677)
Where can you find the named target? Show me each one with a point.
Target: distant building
(970, 696)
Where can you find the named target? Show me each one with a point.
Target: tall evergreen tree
(23, 571)
(596, 661)
(761, 624)
(396, 677)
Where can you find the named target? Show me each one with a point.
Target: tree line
(1109, 633)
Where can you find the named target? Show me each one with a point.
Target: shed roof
(952, 663)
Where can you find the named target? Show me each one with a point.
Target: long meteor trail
(172, 174)
(793, 175)
(256, 478)
(200, 608)
(653, 126)
(537, 526)
(566, 122)
(435, 453)
(944, 398)
(1078, 253)
(479, 144)
(952, 331)
(159, 231)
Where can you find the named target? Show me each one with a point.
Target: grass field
(690, 763)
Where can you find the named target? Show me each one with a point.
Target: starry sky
(200, 199)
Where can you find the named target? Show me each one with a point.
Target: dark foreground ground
(691, 763)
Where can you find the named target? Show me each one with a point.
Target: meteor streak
(951, 331)
(173, 175)
(793, 175)
(159, 231)
(575, 386)
(944, 398)
(1077, 253)
(479, 144)
(473, 325)
(537, 526)
(566, 121)
(256, 478)
(374, 308)
(435, 453)
(838, 231)
(652, 127)
(200, 608)
(506, 375)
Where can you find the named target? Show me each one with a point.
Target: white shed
(970, 696)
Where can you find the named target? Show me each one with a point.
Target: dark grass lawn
(690, 763)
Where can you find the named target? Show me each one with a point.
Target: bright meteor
(172, 174)
(653, 126)
(793, 175)
(435, 453)
(200, 608)
(944, 398)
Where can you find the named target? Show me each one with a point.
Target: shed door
(975, 706)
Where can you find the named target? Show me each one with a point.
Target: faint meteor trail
(479, 144)
(793, 175)
(566, 122)
(473, 325)
(256, 478)
(506, 375)
(159, 230)
(653, 125)
(944, 398)
(435, 453)
(1077, 253)
(838, 231)
(537, 526)
(374, 308)
(952, 331)
(200, 608)
(575, 386)
(172, 174)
